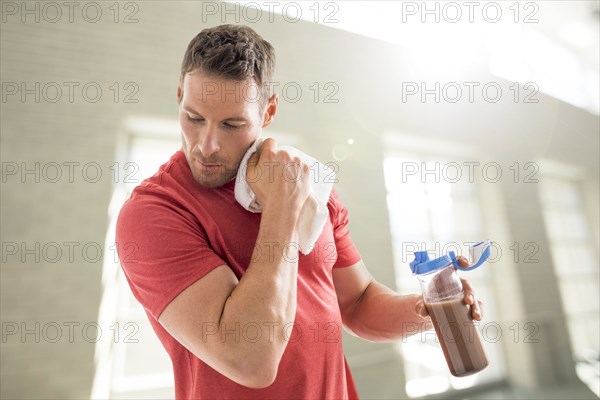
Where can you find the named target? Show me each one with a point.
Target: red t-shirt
(176, 231)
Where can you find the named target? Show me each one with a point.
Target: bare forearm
(265, 297)
(383, 315)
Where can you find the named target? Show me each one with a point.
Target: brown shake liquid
(458, 336)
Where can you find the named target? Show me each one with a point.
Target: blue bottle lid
(478, 253)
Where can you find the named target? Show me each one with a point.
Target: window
(575, 262)
(432, 209)
(131, 362)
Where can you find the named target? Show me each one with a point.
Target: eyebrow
(231, 119)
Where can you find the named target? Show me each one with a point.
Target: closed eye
(195, 120)
(226, 125)
(230, 126)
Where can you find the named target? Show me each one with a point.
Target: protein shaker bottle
(451, 316)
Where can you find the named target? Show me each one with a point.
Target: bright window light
(137, 367)
(456, 37)
(554, 68)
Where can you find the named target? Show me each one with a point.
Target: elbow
(254, 368)
(254, 371)
(255, 376)
(259, 381)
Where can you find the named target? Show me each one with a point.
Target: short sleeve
(347, 254)
(162, 250)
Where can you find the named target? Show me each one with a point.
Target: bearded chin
(213, 180)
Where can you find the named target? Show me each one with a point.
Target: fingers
(269, 145)
(476, 310)
(480, 310)
(469, 292)
(420, 308)
(251, 174)
(422, 311)
(462, 262)
(278, 179)
(476, 305)
(253, 160)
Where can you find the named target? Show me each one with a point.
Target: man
(241, 313)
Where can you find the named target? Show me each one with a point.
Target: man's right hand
(277, 179)
(265, 295)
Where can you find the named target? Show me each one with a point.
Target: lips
(207, 167)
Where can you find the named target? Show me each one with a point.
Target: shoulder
(335, 203)
(156, 200)
(334, 200)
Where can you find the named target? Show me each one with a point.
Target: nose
(208, 142)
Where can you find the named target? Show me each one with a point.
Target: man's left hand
(470, 299)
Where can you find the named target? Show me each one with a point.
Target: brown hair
(234, 52)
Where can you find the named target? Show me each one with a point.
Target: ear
(179, 94)
(270, 110)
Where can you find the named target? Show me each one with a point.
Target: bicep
(350, 284)
(196, 312)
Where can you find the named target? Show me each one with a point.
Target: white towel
(314, 212)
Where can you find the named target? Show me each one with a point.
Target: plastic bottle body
(451, 316)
